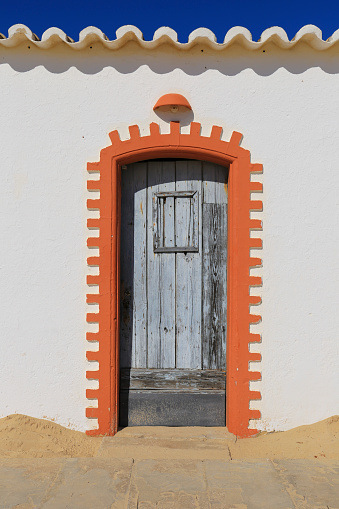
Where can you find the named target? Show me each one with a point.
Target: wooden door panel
(139, 340)
(173, 293)
(133, 332)
(214, 183)
(214, 312)
(173, 380)
(160, 275)
(188, 274)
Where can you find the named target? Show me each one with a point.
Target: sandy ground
(22, 436)
(319, 440)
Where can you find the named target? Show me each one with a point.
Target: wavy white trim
(309, 34)
(91, 32)
(202, 33)
(129, 30)
(165, 32)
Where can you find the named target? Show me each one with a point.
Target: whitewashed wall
(57, 108)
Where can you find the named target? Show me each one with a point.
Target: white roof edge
(309, 34)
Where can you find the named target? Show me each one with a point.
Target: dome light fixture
(172, 102)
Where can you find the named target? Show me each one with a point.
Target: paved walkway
(97, 483)
(135, 470)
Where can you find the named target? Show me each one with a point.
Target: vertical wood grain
(161, 275)
(139, 343)
(214, 286)
(126, 267)
(168, 222)
(214, 183)
(173, 305)
(188, 270)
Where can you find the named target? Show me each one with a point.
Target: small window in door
(169, 208)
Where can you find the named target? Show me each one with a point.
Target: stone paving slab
(165, 484)
(239, 484)
(98, 483)
(25, 482)
(311, 484)
(68, 483)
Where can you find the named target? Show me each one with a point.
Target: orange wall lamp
(172, 102)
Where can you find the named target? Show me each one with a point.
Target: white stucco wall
(57, 108)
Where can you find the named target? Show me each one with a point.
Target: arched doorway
(188, 146)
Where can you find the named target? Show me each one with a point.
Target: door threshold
(162, 442)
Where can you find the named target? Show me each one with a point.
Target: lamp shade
(173, 103)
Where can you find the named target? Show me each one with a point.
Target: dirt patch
(27, 437)
(22, 436)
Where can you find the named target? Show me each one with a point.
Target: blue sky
(181, 15)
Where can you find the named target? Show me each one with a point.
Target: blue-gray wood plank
(173, 305)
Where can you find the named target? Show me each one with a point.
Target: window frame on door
(157, 198)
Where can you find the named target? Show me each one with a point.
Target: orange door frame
(190, 146)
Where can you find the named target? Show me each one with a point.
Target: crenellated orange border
(190, 146)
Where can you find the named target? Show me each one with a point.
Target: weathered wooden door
(173, 293)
